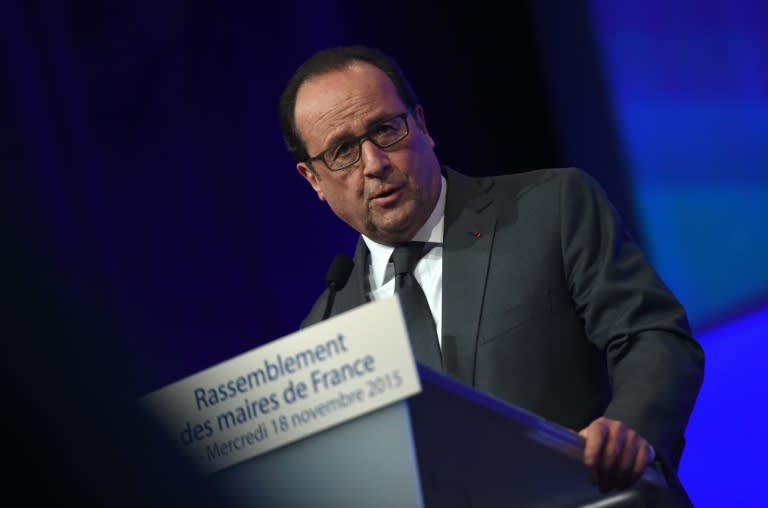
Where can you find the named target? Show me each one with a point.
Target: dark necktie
(418, 317)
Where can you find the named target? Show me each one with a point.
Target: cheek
(343, 194)
(421, 154)
(421, 169)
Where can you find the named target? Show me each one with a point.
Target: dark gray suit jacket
(549, 304)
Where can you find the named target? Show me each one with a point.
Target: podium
(447, 446)
(340, 415)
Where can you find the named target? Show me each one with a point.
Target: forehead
(343, 100)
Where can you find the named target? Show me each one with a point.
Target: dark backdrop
(153, 221)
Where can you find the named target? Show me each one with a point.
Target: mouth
(387, 196)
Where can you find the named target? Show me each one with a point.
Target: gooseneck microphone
(338, 275)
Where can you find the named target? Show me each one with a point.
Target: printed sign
(290, 388)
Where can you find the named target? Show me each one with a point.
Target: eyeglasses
(384, 134)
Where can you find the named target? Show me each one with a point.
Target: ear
(311, 176)
(421, 123)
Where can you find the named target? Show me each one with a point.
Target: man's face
(389, 193)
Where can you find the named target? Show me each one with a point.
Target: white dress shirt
(428, 271)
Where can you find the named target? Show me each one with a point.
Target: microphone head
(339, 271)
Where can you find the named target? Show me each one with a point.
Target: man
(538, 296)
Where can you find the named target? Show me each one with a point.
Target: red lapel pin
(475, 233)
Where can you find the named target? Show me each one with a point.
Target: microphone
(338, 275)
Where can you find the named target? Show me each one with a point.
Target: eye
(343, 150)
(385, 129)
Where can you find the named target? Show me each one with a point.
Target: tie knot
(406, 255)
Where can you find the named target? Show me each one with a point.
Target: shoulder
(564, 187)
(548, 177)
(524, 181)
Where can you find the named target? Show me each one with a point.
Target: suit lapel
(355, 292)
(467, 240)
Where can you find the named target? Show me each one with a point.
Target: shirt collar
(431, 231)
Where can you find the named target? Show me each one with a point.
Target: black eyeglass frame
(359, 141)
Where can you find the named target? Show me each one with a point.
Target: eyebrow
(336, 139)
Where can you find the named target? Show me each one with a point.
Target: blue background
(153, 216)
(689, 84)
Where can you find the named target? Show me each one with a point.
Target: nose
(374, 159)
